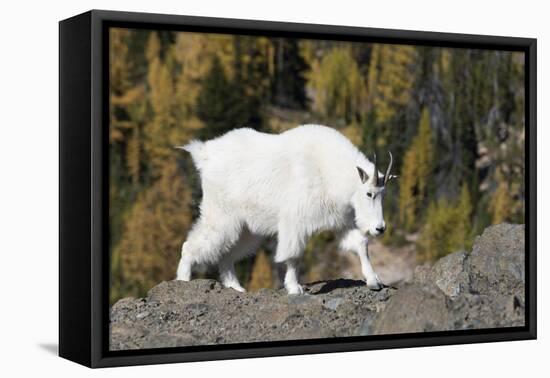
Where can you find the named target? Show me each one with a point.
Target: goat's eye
(369, 195)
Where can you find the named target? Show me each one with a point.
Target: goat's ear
(362, 175)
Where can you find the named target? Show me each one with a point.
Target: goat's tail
(197, 150)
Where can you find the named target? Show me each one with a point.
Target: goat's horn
(387, 175)
(375, 174)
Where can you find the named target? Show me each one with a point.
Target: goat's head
(367, 200)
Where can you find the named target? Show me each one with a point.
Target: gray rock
(450, 275)
(415, 308)
(366, 327)
(483, 289)
(422, 274)
(333, 303)
(300, 299)
(497, 261)
(142, 315)
(202, 312)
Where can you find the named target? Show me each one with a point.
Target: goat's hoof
(375, 284)
(238, 288)
(295, 289)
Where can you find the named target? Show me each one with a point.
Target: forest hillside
(453, 119)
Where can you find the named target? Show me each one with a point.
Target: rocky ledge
(480, 289)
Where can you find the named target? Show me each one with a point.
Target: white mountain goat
(302, 181)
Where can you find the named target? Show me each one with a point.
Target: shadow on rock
(328, 286)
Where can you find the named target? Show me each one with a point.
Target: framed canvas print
(234, 188)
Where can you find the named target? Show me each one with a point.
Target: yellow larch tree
(390, 79)
(415, 172)
(501, 204)
(261, 276)
(154, 231)
(339, 90)
(447, 227)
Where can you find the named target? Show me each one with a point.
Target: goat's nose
(381, 229)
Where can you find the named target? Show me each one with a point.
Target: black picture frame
(83, 182)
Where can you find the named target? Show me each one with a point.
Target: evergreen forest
(453, 119)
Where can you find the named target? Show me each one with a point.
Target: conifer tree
(124, 122)
(466, 80)
(119, 64)
(250, 83)
(222, 105)
(339, 87)
(159, 130)
(154, 230)
(464, 211)
(390, 79)
(194, 53)
(447, 227)
(215, 100)
(124, 95)
(416, 172)
(289, 81)
(501, 205)
(133, 154)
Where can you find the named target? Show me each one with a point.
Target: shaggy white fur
(302, 181)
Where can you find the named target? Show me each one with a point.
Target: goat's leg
(290, 247)
(206, 243)
(355, 241)
(248, 243)
(291, 278)
(184, 266)
(228, 277)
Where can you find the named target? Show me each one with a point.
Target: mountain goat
(302, 181)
